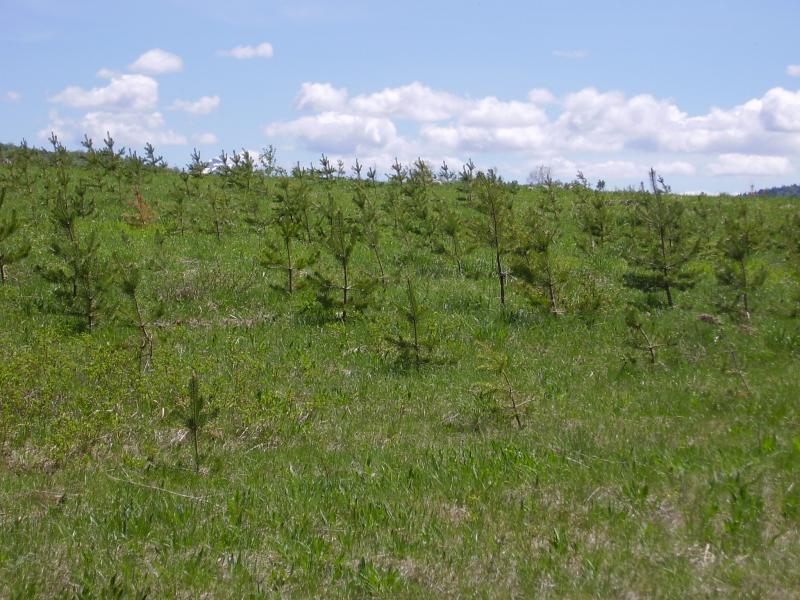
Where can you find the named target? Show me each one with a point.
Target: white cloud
(491, 112)
(541, 96)
(133, 129)
(340, 132)
(486, 139)
(596, 131)
(676, 167)
(201, 106)
(127, 128)
(750, 164)
(124, 92)
(107, 73)
(205, 139)
(793, 70)
(414, 101)
(157, 62)
(12, 96)
(780, 110)
(126, 107)
(571, 54)
(320, 97)
(263, 50)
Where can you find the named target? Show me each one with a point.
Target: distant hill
(783, 191)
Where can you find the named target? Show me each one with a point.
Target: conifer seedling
(194, 415)
(499, 388)
(14, 250)
(743, 235)
(662, 243)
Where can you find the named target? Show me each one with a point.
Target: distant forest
(783, 191)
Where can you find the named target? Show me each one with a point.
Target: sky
(705, 91)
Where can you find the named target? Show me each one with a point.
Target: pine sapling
(642, 340)
(663, 243)
(130, 278)
(593, 214)
(495, 205)
(112, 161)
(194, 415)
(445, 174)
(197, 166)
(535, 261)
(180, 194)
(743, 235)
(11, 250)
(339, 240)
(141, 213)
(412, 348)
(500, 389)
(81, 278)
(466, 183)
(219, 204)
(370, 225)
(151, 161)
(283, 254)
(451, 228)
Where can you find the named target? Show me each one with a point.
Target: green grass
(335, 470)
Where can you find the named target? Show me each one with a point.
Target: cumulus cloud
(127, 128)
(793, 70)
(205, 139)
(541, 96)
(333, 131)
(124, 92)
(414, 101)
(780, 110)
(157, 62)
(320, 97)
(675, 167)
(262, 50)
(133, 129)
(607, 125)
(750, 164)
(126, 107)
(201, 106)
(12, 96)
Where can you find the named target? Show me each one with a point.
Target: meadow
(332, 383)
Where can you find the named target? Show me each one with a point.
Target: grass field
(336, 465)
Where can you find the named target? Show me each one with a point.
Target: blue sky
(708, 92)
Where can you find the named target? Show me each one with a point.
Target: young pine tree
(130, 278)
(112, 162)
(339, 241)
(535, 258)
(180, 194)
(141, 214)
(593, 215)
(194, 415)
(743, 235)
(79, 276)
(641, 339)
(285, 253)
(494, 203)
(369, 221)
(412, 348)
(81, 279)
(450, 240)
(662, 243)
(499, 388)
(12, 247)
